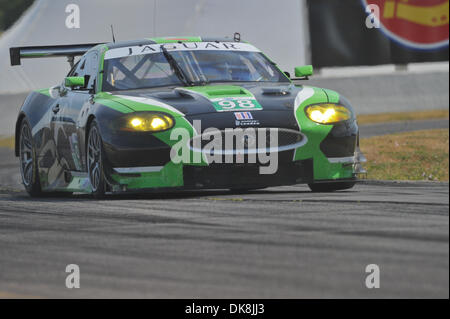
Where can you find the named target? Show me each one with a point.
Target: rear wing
(69, 51)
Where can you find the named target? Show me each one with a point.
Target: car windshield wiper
(176, 68)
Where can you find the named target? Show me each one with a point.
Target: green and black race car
(181, 113)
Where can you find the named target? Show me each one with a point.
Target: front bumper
(141, 163)
(246, 176)
(222, 176)
(214, 176)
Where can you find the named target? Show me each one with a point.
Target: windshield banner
(185, 46)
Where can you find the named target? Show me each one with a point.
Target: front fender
(36, 109)
(326, 143)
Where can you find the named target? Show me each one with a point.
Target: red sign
(418, 24)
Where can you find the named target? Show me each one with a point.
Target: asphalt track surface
(283, 242)
(378, 129)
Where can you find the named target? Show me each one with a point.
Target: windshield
(198, 66)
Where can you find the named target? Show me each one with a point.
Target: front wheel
(28, 163)
(330, 187)
(95, 161)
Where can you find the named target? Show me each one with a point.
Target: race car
(167, 114)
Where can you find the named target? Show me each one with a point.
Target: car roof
(121, 44)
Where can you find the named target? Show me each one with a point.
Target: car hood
(189, 101)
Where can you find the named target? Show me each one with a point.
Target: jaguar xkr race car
(181, 113)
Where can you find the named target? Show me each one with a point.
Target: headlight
(328, 113)
(147, 122)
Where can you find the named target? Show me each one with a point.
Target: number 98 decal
(236, 104)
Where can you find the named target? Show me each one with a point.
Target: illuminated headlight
(148, 122)
(328, 113)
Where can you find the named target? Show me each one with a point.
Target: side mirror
(73, 81)
(304, 71)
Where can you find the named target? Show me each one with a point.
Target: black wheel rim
(26, 155)
(94, 158)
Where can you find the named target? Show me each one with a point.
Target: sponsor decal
(417, 24)
(184, 46)
(243, 116)
(245, 119)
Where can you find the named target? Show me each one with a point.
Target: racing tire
(330, 187)
(94, 159)
(28, 162)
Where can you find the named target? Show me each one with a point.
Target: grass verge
(420, 155)
(403, 116)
